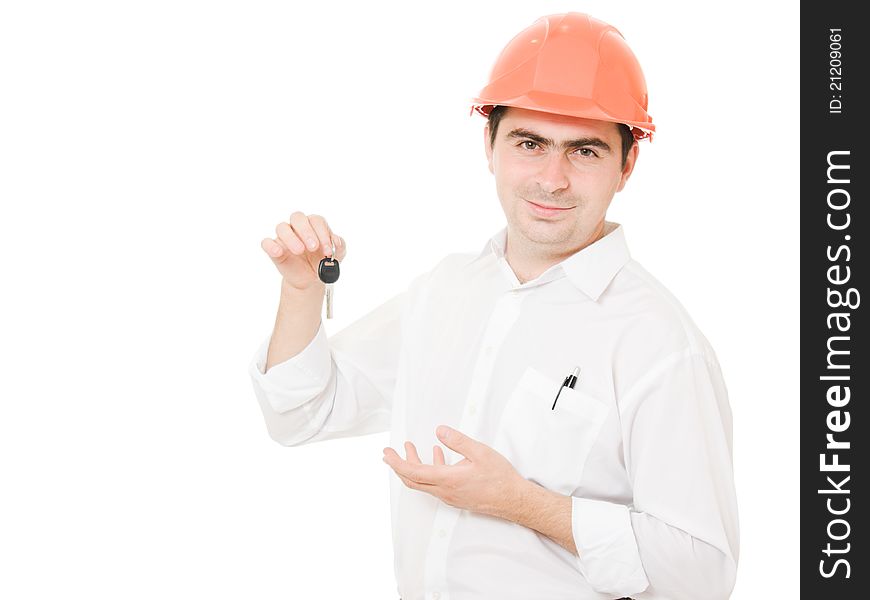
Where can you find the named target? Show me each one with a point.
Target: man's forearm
(544, 511)
(296, 323)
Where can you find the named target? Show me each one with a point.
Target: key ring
(332, 256)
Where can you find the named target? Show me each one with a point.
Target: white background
(146, 148)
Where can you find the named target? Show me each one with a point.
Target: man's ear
(487, 147)
(630, 161)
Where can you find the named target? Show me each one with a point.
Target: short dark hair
(497, 113)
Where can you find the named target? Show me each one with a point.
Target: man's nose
(553, 175)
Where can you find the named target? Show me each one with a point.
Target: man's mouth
(550, 207)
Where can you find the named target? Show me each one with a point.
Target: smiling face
(555, 177)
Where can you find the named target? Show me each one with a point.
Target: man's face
(570, 164)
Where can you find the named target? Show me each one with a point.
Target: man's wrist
(545, 511)
(317, 287)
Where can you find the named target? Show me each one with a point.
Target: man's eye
(524, 145)
(586, 152)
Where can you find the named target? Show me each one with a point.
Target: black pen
(570, 380)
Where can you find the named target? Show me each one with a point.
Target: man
(618, 486)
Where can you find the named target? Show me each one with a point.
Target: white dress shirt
(642, 443)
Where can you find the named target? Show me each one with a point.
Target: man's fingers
(272, 248)
(417, 485)
(438, 456)
(290, 240)
(414, 484)
(340, 247)
(457, 441)
(412, 468)
(324, 234)
(309, 233)
(411, 453)
(301, 226)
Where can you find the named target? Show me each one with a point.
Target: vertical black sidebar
(835, 364)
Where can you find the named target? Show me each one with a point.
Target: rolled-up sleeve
(338, 386)
(608, 555)
(335, 387)
(680, 538)
(283, 386)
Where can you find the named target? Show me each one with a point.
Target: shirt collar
(591, 269)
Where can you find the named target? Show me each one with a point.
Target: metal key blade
(329, 294)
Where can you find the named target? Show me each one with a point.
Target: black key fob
(328, 270)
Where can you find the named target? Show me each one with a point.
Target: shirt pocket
(549, 447)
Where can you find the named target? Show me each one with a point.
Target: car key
(328, 273)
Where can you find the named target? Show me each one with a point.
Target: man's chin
(542, 231)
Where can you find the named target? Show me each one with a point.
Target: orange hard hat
(570, 64)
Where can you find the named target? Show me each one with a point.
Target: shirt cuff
(609, 558)
(295, 381)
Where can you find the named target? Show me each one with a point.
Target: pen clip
(570, 380)
(564, 383)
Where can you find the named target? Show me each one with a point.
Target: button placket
(504, 315)
(435, 567)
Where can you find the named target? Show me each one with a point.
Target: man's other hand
(484, 481)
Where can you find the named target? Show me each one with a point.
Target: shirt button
(488, 350)
(442, 533)
(436, 595)
(472, 409)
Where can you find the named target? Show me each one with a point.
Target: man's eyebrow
(569, 144)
